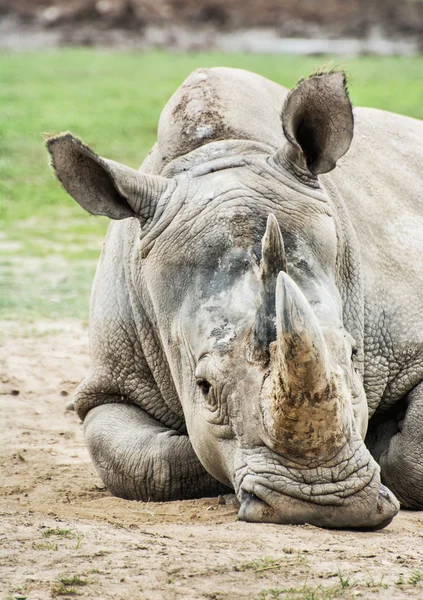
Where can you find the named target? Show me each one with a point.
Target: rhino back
(380, 181)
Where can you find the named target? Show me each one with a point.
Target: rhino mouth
(255, 510)
(347, 493)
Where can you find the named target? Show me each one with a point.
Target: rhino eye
(204, 386)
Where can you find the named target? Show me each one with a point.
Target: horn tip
(271, 220)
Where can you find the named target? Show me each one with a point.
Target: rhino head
(243, 262)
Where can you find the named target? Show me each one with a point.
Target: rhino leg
(139, 459)
(379, 436)
(401, 461)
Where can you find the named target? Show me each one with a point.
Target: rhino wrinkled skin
(256, 315)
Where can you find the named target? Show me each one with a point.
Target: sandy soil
(58, 521)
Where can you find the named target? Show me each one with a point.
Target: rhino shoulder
(388, 132)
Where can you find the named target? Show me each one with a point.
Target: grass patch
(16, 594)
(56, 534)
(59, 589)
(302, 593)
(260, 564)
(371, 582)
(346, 588)
(269, 563)
(53, 287)
(415, 577)
(344, 582)
(56, 531)
(112, 100)
(66, 585)
(73, 580)
(48, 546)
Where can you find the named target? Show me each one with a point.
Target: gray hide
(257, 301)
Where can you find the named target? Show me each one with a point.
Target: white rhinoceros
(254, 306)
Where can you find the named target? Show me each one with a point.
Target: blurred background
(104, 70)
(300, 26)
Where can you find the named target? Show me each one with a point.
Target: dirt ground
(60, 528)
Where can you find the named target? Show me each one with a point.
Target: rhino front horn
(302, 412)
(273, 261)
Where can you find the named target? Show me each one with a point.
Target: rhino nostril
(387, 505)
(386, 500)
(383, 492)
(204, 385)
(254, 510)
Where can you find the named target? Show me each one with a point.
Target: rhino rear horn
(318, 123)
(272, 262)
(102, 186)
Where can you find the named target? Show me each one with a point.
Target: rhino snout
(289, 511)
(343, 493)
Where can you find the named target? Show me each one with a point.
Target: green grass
(73, 580)
(112, 100)
(59, 589)
(59, 532)
(66, 586)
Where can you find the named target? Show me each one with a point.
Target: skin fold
(256, 318)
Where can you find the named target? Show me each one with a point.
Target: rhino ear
(318, 122)
(102, 186)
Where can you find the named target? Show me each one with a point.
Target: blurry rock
(105, 7)
(51, 15)
(214, 14)
(228, 500)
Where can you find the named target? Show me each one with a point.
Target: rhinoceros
(256, 319)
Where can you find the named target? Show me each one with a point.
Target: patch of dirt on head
(197, 116)
(63, 534)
